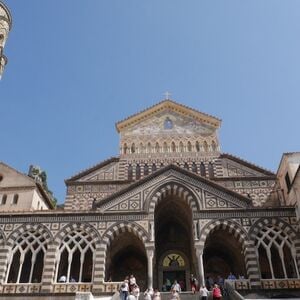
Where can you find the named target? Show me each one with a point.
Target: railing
(239, 284)
(20, 288)
(290, 283)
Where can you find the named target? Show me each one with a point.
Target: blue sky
(77, 67)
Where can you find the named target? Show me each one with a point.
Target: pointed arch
(165, 147)
(118, 228)
(157, 147)
(76, 246)
(181, 147)
(189, 146)
(171, 188)
(277, 246)
(239, 233)
(173, 147)
(28, 246)
(132, 148)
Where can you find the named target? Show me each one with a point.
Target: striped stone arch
(40, 228)
(168, 189)
(75, 227)
(286, 229)
(79, 237)
(233, 227)
(121, 227)
(248, 250)
(27, 237)
(277, 222)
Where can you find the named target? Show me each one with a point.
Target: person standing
(203, 293)
(156, 295)
(176, 286)
(132, 282)
(124, 289)
(216, 293)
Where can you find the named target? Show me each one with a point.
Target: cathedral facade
(169, 206)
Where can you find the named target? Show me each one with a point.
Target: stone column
(99, 268)
(150, 254)
(199, 253)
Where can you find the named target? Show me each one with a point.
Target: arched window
(186, 166)
(197, 146)
(146, 169)
(141, 149)
(189, 146)
(162, 165)
(157, 148)
(213, 146)
(205, 146)
(3, 200)
(173, 147)
(26, 261)
(149, 147)
(15, 199)
(202, 169)
(181, 148)
(277, 260)
(210, 170)
(153, 167)
(75, 257)
(133, 148)
(125, 148)
(137, 171)
(130, 172)
(194, 168)
(165, 147)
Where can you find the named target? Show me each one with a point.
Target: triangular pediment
(169, 117)
(13, 178)
(205, 194)
(104, 171)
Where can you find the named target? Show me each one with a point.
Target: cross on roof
(167, 95)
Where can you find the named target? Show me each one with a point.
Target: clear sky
(77, 67)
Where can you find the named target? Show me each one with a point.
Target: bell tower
(5, 26)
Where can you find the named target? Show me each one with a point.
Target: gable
(203, 193)
(169, 117)
(13, 178)
(169, 123)
(236, 167)
(105, 171)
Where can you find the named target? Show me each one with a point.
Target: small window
(168, 123)
(137, 171)
(1, 177)
(157, 148)
(189, 146)
(129, 172)
(15, 199)
(197, 146)
(181, 148)
(3, 200)
(202, 169)
(146, 170)
(194, 167)
(153, 168)
(165, 147)
(125, 148)
(186, 166)
(210, 170)
(288, 181)
(173, 147)
(133, 148)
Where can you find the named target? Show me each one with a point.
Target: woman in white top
(203, 292)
